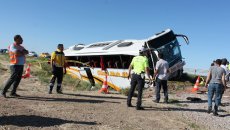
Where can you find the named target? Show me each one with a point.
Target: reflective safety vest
(13, 56)
(139, 64)
(58, 58)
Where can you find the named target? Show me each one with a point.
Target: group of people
(18, 54)
(140, 66)
(216, 82)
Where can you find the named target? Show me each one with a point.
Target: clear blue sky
(45, 23)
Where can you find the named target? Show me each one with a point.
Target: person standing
(58, 67)
(161, 77)
(217, 84)
(17, 60)
(225, 67)
(139, 65)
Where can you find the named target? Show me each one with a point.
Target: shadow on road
(63, 99)
(227, 115)
(177, 109)
(201, 101)
(90, 96)
(37, 121)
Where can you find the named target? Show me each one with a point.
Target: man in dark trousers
(17, 60)
(139, 65)
(58, 67)
(161, 76)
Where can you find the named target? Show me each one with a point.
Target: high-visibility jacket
(139, 63)
(58, 58)
(14, 58)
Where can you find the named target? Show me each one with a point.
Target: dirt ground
(36, 109)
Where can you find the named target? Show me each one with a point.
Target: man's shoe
(140, 108)
(59, 92)
(3, 95)
(215, 114)
(166, 101)
(156, 101)
(129, 105)
(15, 95)
(221, 104)
(209, 110)
(215, 111)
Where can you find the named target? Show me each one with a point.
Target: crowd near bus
(127, 64)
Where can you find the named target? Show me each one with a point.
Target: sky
(45, 23)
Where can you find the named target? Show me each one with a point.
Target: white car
(32, 54)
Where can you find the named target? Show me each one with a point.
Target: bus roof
(116, 47)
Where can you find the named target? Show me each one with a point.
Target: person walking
(58, 68)
(161, 77)
(17, 60)
(139, 65)
(225, 67)
(217, 84)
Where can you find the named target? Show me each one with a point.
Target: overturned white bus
(116, 56)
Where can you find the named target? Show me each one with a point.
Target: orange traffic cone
(27, 73)
(105, 86)
(195, 88)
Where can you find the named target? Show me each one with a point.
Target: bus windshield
(171, 51)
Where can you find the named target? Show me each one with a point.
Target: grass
(125, 91)
(1, 66)
(4, 57)
(42, 70)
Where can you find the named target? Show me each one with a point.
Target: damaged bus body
(115, 56)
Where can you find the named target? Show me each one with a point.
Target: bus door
(152, 58)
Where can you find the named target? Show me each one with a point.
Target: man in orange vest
(17, 60)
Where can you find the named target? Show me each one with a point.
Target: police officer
(58, 67)
(139, 65)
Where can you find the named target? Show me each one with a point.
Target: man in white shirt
(161, 77)
(225, 67)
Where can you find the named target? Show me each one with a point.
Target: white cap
(143, 49)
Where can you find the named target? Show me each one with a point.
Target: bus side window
(95, 64)
(124, 65)
(117, 64)
(91, 63)
(110, 64)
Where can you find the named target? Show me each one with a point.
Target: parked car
(3, 51)
(32, 54)
(45, 55)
